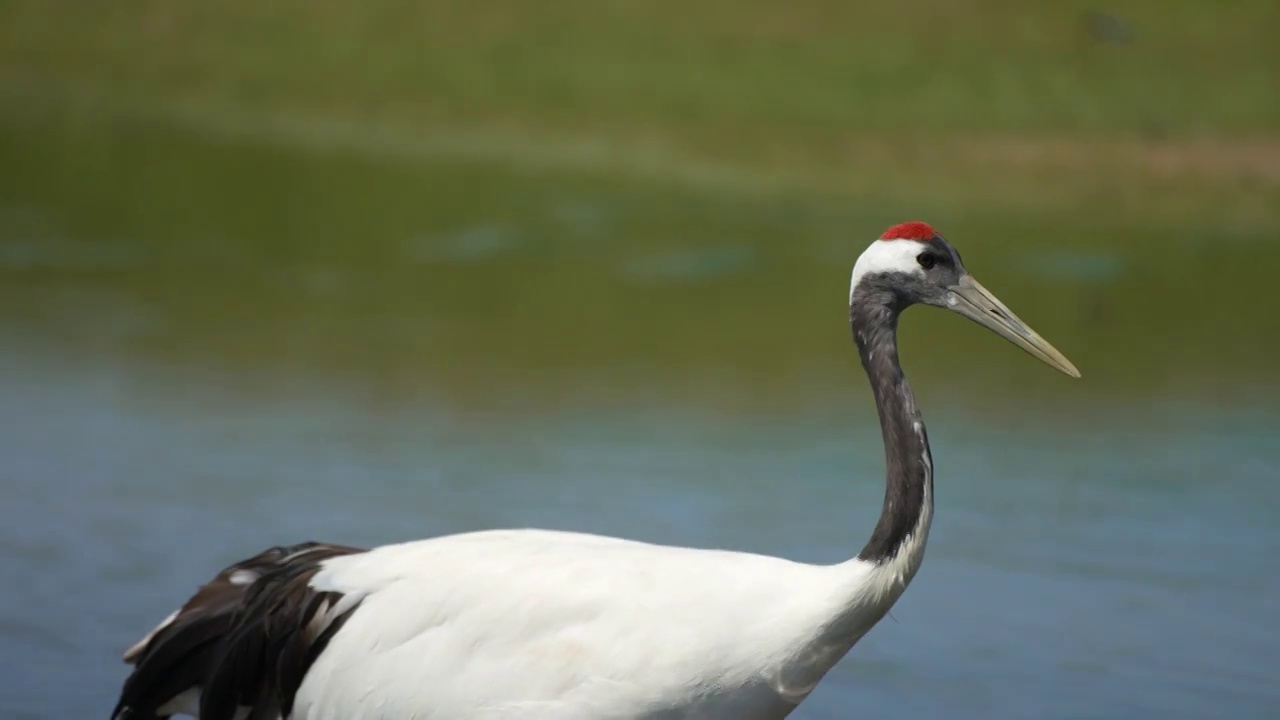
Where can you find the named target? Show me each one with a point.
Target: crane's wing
(246, 638)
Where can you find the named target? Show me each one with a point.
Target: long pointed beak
(975, 302)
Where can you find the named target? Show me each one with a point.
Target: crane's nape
(535, 624)
(917, 265)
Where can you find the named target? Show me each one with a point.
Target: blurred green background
(578, 213)
(550, 186)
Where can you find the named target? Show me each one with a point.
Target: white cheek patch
(887, 256)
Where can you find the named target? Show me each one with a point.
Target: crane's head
(911, 263)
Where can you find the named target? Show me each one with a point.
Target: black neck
(873, 316)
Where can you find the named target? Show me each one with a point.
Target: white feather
(138, 647)
(886, 256)
(184, 703)
(557, 626)
(243, 577)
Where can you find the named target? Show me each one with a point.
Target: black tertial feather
(244, 640)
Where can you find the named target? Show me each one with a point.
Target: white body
(542, 625)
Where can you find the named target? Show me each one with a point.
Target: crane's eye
(927, 260)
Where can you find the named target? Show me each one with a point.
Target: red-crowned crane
(540, 625)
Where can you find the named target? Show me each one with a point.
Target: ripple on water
(33, 252)
(30, 240)
(473, 244)
(1076, 265)
(581, 217)
(688, 266)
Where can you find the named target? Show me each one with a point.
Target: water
(211, 345)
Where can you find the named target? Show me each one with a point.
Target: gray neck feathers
(873, 316)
